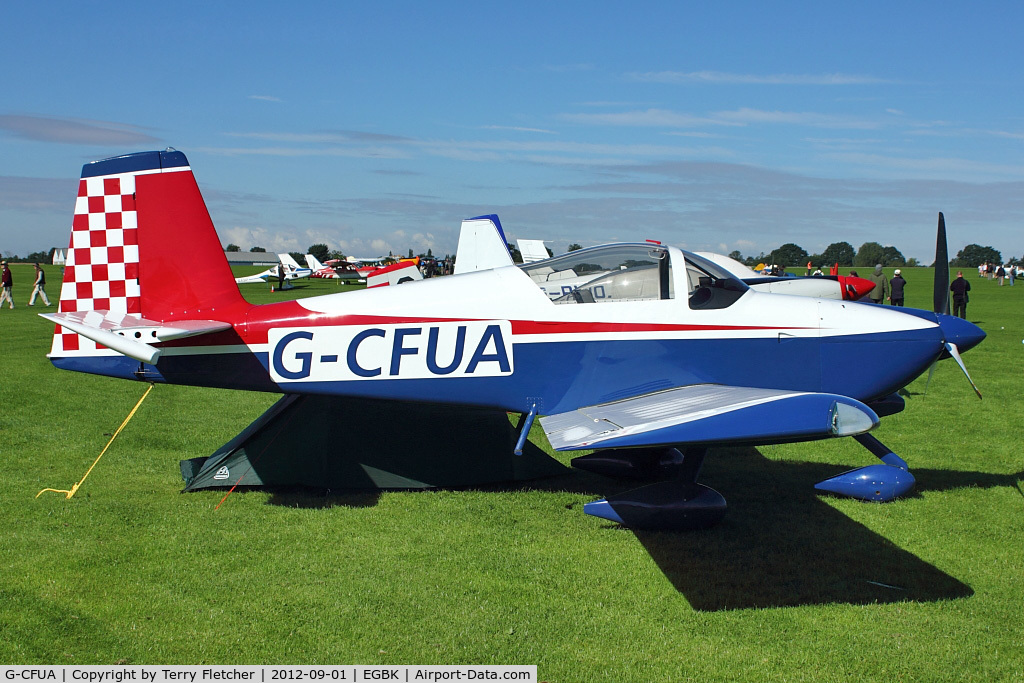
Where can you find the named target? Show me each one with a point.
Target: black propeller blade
(940, 296)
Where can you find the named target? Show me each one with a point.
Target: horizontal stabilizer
(130, 334)
(395, 274)
(709, 413)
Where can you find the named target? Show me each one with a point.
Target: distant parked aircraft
(335, 268)
(532, 250)
(292, 271)
(847, 287)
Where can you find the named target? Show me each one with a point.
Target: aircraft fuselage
(493, 338)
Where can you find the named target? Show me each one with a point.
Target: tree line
(869, 255)
(323, 253)
(789, 255)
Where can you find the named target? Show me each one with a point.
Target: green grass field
(791, 586)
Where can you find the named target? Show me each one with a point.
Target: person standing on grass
(880, 293)
(8, 285)
(37, 288)
(960, 287)
(896, 286)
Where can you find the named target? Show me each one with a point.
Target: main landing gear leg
(879, 483)
(676, 504)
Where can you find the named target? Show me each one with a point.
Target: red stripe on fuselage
(564, 327)
(261, 319)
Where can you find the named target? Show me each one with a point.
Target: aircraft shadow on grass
(780, 544)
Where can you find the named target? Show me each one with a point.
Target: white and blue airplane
(292, 271)
(676, 355)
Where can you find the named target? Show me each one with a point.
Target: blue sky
(380, 126)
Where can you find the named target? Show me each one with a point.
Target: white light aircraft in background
(847, 287)
(292, 271)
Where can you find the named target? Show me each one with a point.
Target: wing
(253, 279)
(709, 413)
(130, 334)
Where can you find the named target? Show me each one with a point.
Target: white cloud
(37, 194)
(745, 116)
(693, 134)
(360, 152)
(647, 117)
(569, 68)
(608, 103)
(274, 241)
(520, 129)
(681, 77)
(966, 170)
(75, 131)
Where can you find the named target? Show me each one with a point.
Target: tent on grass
(345, 443)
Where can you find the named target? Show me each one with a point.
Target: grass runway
(791, 586)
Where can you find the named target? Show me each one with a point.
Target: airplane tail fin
(532, 250)
(287, 260)
(143, 246)
(313, 263)
(482, 245)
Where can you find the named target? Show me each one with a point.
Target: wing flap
(709, 413)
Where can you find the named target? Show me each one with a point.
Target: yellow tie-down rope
(123, 424)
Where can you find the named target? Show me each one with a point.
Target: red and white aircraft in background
(374, 276)
(333, 269)
(364, 266)
(384, 270)
(845, 287)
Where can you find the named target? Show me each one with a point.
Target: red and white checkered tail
(142, 242)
